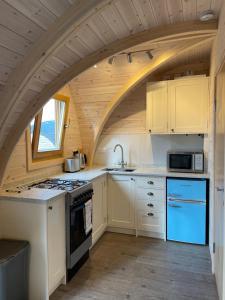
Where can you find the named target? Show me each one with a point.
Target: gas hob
(60, 184)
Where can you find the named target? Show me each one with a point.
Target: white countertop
(87, 174)
(95, 172)
(43, 195)
(33, 194)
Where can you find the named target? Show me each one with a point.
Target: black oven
(79, 230)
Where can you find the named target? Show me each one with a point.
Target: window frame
(36, 155)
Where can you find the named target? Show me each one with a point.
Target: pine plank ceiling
(23, 22)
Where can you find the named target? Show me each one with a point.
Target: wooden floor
(126, 267)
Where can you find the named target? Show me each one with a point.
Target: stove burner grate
(59, 184)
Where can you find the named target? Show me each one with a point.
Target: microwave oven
(186, 162)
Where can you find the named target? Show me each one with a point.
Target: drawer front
(151, 182)
(150, 194)
(150, 205)
(148, 222)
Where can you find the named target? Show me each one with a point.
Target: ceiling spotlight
(95, 66)
(207, 15)
(149, 53)
(111, 60)
(129, 58)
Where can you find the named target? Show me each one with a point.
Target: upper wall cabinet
(157, 108)
(178, 106)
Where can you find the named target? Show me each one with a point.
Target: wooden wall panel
(17, 171)
(129, 117)
(93, 90)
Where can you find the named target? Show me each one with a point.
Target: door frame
(220, 72)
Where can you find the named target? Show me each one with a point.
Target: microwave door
(180, 162)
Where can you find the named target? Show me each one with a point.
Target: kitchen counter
(43, 195)
(87, 174)
(32, 195)
(95, 172)
(161, 172)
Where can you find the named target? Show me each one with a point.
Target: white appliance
(72, 164)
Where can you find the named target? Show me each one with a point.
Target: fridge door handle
(187, 201)
(174, 205)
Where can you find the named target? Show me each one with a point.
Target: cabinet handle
(150, 182)
(150, 194)
(132, 179)
(50, 207)
(150, 214)
(172, 130)
(150, 205)
(150, 130)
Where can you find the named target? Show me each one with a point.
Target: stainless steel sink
(119, 169)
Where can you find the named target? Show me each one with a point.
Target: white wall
(144, 150)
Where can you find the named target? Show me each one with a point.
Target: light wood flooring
(126, 267)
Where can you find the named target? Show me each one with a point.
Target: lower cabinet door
(121, 202)
(56, 243)
(150, 221)
(99, 208)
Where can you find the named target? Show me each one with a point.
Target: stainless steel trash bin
(14, 256)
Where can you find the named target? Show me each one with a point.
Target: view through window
(47, 128)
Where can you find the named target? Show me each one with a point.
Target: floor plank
(125, 267)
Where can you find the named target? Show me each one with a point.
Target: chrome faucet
(122, 163)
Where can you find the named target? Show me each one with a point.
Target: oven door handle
(76, 208)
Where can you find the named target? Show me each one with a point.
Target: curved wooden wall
(31, 83)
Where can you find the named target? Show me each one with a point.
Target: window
(47, 128)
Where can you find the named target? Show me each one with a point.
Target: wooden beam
(137, 79)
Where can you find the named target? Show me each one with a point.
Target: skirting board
(156, 235)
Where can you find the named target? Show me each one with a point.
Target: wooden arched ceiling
(44, 44)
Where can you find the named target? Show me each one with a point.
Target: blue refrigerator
(187, 210)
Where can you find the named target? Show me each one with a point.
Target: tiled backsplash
(144, 150)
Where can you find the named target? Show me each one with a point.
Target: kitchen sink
(119, 169)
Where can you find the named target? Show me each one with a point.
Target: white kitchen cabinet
(157, 107)
(150, 206)
(56, 243)
(152, 223)
(188, 105)
(178, 106)
(44, 228)
(121, 211)
(99, 208)
(146, 182)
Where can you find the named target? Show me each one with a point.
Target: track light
(129, 58)
(111, 60)
(149, 53)
(129, 55)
